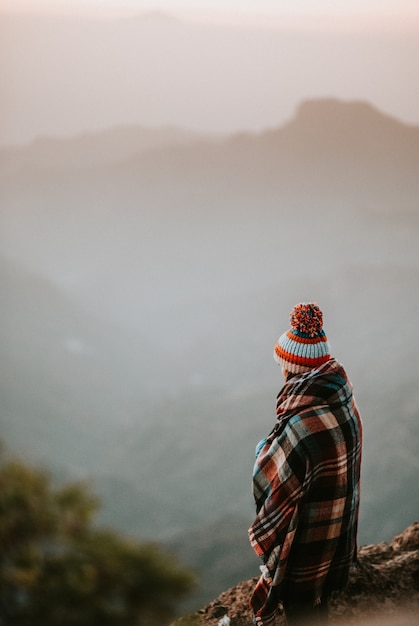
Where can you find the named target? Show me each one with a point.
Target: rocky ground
(383, 591)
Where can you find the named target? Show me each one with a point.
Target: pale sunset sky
(366, 9)
(350, 49)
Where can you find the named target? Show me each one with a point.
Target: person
(306, 480)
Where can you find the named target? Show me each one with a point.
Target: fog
(71, 75)
(147, 272)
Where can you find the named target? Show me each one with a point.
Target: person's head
(304, 346)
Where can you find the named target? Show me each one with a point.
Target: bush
(56, 568)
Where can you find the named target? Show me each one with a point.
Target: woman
(306, 480)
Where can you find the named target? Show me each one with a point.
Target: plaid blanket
(306, 488)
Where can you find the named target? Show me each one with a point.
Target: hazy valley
(145, 283)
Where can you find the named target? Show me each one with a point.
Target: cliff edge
(383, 590)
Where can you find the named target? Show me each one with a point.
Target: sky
(244, 8)
(354, 50)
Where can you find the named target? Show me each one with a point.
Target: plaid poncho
(306, 489)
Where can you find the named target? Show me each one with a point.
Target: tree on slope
(56, 568)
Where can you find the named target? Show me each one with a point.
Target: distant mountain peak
(313, 111)
(313, 104)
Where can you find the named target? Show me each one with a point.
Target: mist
(67, 75)
(150, 258)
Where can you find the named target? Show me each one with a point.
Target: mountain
(252, 183)
(63, 359)
(144, 290)
(69, 385)
(76, 74)
(382, 590)
(90, 149)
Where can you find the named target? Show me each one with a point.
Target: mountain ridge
(358, 146)
(107, 79)
(91, 149)
(312, 115)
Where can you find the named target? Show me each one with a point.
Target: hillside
(383, 590)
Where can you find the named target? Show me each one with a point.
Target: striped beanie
(304, 346)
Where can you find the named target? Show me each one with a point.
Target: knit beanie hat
(304, 346)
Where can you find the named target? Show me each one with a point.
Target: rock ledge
(383, 590)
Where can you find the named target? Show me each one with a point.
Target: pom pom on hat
(304, 346)
(307, 318)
